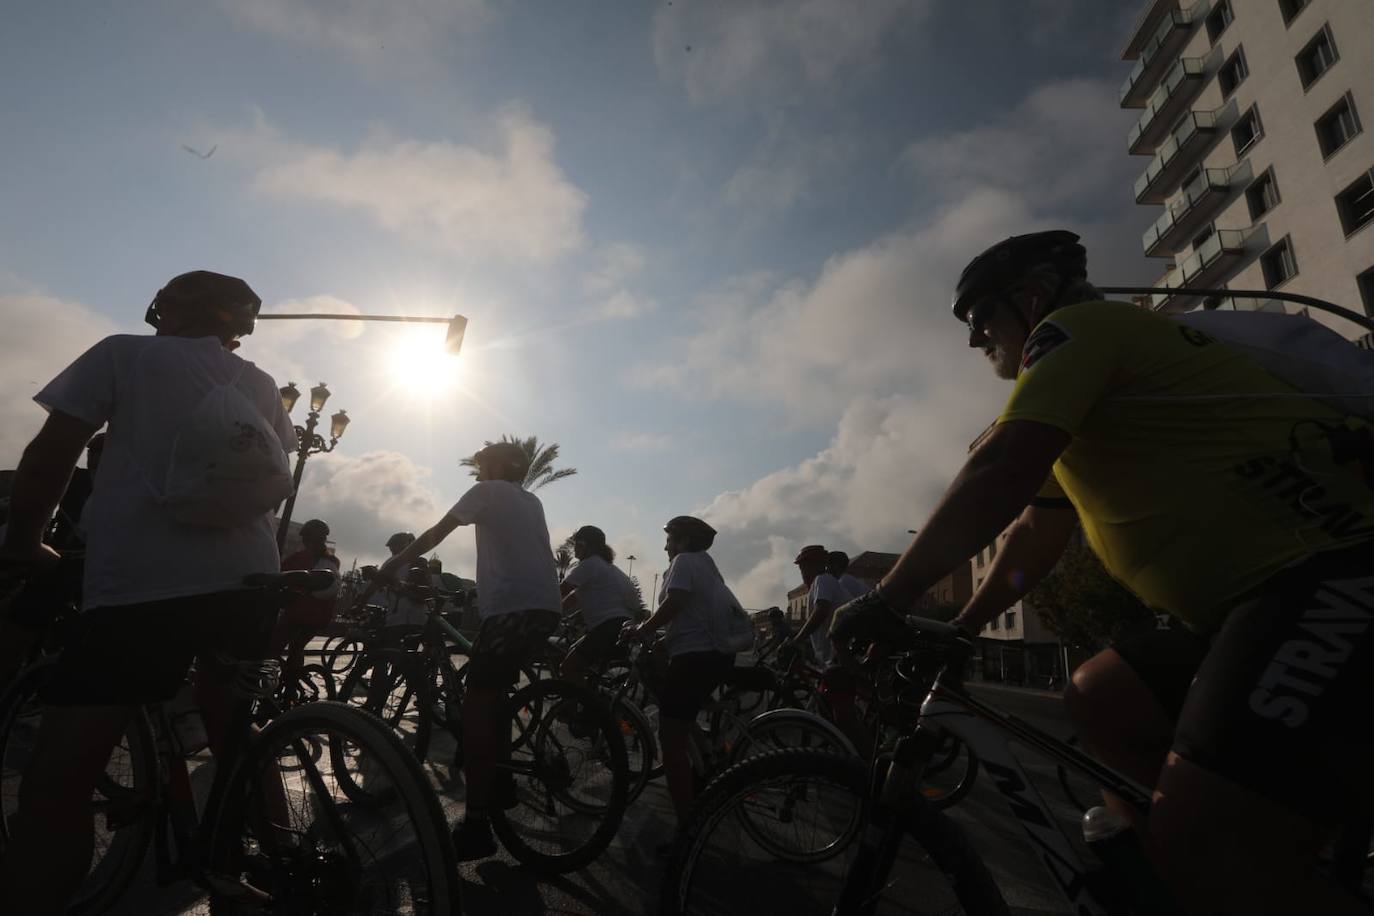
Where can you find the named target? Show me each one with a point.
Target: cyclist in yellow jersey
(1218, 494)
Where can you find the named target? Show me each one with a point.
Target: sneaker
(473, 839)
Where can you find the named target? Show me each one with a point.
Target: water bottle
(1133, 879)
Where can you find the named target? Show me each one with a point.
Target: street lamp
(308, 443)
(631, 570)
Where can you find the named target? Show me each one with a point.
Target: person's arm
(820, 617)
(668, 610)
(1033, 545)
(40, 481)
(996, 483)
(403, 560)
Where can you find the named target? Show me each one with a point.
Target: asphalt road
(625, 879)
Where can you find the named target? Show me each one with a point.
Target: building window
(1232, 73)
(1290, 9)
(1318, 57)
(992, 551)
(1356, 204)
(1336, 128)
(1218, 19)
(1246, 131)
(1365, 282)
(1011, 620)
(995, 625)
(1262, 195)
(1278, 264)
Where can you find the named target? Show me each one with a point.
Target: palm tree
(541, 459)
(563, 558)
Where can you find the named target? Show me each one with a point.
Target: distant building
(796, 603)
(955, 588)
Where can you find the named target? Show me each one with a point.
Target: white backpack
(227, 467)
(1318, 362)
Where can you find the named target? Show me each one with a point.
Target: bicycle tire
(781, 728)
(343, 656)
(312, 866)
(394, 708)
(541, 830)
(641, 746)
(941, 851)
(123, 796)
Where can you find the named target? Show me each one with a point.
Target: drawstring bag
(227, 466)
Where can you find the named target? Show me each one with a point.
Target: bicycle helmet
(698, 534)
(400, 541)
(226, 303)
(812, 553)
(590, 535)
(1006, 262)
(316, 527)
(503, 461)
(836, 562)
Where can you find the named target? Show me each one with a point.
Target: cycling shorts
(601, 642)
(506, 642)
(132, 654)
(691, 678)
(1167, 661)
(1281, 702)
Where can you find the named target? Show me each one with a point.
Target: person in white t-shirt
(518, 603)
(157, 592)
(821, 601)
(405, 614)
(837, 564)
(604, 595)
(692, 603)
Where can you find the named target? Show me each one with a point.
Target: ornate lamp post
(308, 443)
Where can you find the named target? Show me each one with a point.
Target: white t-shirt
(145, 388)
(603, 591)
(824, 587)
(708, 598)
(854, 587)
(515, 570)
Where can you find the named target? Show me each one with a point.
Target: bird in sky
(198, 154)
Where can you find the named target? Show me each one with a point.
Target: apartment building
(1255, 160)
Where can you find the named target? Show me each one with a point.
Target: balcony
(1208, 266)
(1175, 157)
(1145, 25)
(1161, 47)
(1180, 85)
(1199, 200)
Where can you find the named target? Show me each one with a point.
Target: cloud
(1060, 148)
(616, 263)
(366, 498)
(506, 200)
(397, 29)
(622, 306)
(868, 347)
(786, 169)
(769, 50)
(43, 334)
(641, 442)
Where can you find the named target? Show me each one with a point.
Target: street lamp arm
(346, 317)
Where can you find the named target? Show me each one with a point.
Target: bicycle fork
(892, 780)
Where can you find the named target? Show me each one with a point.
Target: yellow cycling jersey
(1196, 474)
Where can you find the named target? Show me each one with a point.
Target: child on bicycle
(605, 596)
(518, 602)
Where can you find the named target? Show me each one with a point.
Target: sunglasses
(978, 316)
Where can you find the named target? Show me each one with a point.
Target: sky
(706, 246)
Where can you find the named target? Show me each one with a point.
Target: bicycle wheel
(641, 745)
(340, 656)
(122, 804)
(811, 799)
(787, 728)
(291, 838)
(384, 689)
(571, 777)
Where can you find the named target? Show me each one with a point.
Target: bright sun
(417, 362)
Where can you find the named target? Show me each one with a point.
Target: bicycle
(567, 765)
(832, 829)
(274, 835)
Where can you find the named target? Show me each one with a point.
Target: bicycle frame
(988, 732)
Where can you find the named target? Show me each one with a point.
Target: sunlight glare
(417, 362)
